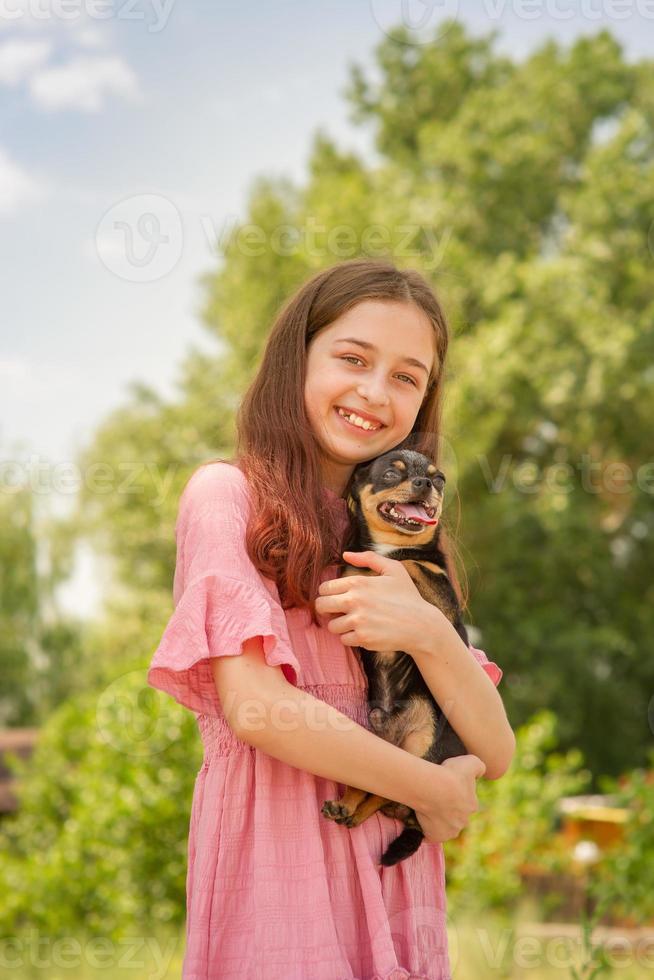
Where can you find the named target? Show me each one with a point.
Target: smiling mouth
(412, 516)
(376, 427)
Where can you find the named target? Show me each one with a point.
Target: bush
(100, 838)
(624, 876)
(517, 822)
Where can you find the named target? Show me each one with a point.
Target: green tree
(40, 648)
(19, 602)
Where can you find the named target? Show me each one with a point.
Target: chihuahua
(395, 504)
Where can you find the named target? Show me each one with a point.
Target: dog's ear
(361, 474)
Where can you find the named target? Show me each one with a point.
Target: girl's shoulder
(211, 477)
(214, 484)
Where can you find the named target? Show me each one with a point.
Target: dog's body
(402, 709)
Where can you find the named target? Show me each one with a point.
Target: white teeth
(409, 520)
(405, 520)
(357, 420)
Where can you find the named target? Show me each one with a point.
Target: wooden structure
(21, 742)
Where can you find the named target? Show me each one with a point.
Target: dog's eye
(390, 473)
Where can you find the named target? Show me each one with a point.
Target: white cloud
(83, 83)
(90, 37)
(17, 187)
(18, 59)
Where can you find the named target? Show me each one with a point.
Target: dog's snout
(420, 482)
(425, 483)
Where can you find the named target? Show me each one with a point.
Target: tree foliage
(100, 837)
(517, 824)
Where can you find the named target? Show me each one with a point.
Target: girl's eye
(353, 357)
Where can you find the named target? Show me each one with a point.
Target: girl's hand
(382, 612)
(454, 798)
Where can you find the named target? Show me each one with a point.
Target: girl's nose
(374, 394)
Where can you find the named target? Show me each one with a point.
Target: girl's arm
(265, 711)
(465, 693)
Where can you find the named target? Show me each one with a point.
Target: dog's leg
(360, 806)
(368, 805)
(356, 805)
(341, 810)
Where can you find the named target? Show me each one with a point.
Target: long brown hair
(291, 535)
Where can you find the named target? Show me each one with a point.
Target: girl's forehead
(405, 328)
(373, 313)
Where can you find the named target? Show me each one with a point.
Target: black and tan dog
(395, 504)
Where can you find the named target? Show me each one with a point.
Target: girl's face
(383, 377)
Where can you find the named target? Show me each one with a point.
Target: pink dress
(275, 891)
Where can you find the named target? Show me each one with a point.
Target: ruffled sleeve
(221, 599)
(494, 672)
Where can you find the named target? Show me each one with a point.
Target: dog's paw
(335, 810)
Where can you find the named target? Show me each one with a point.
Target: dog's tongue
(417, 512)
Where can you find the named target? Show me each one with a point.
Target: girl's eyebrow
(368, 346)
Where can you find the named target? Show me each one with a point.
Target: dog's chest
(390, 675)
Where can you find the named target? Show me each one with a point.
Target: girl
(274, 889)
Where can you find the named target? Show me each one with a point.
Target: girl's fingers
(331, 604)
(334, 586)
(339, 625)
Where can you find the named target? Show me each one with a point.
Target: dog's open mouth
(408, 515)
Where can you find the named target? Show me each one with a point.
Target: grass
(485, 947)
(526, 949)
(34, 957)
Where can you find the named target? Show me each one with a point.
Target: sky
(130, 135)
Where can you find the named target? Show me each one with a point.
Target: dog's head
(399, 497)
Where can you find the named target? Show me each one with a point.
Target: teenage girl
(275, 891)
